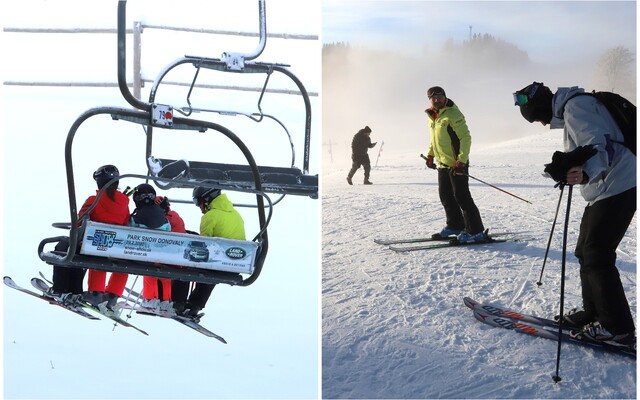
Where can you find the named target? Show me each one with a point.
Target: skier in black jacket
(359, 146)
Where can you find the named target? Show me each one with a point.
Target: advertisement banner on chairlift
(138, 244)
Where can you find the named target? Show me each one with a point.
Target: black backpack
(623, 112)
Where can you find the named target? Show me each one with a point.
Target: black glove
(561, 162)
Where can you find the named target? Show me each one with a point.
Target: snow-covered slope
(394, 324)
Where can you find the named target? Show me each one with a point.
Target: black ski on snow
(77, 310)
(451, 243)
(544, 331)
(433, 238)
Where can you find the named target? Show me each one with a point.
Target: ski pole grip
(426, 159)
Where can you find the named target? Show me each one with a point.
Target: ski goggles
(145, 196)
(521, 98)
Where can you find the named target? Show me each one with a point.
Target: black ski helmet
(144, 194)
(204, 195)
(535, 102)
(104, 174)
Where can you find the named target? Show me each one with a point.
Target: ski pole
(546, 253)
(137, 300)
(556, 377)
(495, 187)
(379, 151)
(488, 184)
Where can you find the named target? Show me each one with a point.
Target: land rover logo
(236, 253)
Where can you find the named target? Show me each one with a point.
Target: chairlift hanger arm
(122, 59)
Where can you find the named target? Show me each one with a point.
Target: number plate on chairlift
(161, 115)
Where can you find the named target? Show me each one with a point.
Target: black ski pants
(67, 279)
(603, 226)
(361, 161)
(460, 210)
(199, 296)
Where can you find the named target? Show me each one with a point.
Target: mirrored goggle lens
(520, 99)
(145, 196)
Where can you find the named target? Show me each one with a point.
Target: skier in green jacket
(449, 146)
(220, 219)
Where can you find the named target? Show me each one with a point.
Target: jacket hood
(150, 215)
(221, 203)
(559, 101)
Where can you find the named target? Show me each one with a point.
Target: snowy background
(272, 326)
(394, 324)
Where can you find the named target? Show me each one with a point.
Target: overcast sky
(559, 29)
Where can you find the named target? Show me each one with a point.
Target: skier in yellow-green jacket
(219, 219)
(449, 146)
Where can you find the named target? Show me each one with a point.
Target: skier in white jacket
(606, 172)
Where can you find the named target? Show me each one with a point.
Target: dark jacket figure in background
(360, 146)
(606, 173)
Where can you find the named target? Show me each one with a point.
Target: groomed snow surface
(394, 324)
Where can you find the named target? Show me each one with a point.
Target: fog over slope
(386, 90)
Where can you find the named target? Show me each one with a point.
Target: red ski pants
(117, 282)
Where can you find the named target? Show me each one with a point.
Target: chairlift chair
(245, 177)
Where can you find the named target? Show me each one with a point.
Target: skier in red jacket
(112, 208)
